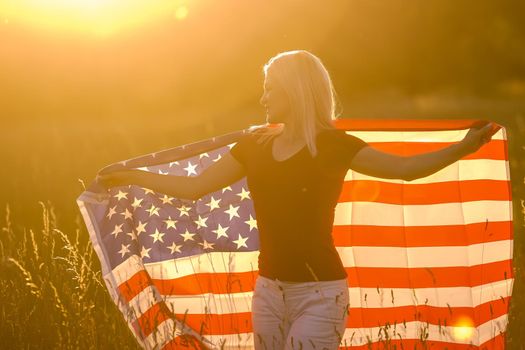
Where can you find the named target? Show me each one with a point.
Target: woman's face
(274, 100)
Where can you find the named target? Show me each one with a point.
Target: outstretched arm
(218, 175)
(372, 162)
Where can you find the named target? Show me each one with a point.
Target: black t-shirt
(294, 203)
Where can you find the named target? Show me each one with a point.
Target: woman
(295, 167)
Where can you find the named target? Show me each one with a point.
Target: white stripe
(469, 169)
(221, 304)
(426, 257)
(219, 262)
(417, 136)
(125, 270)
(361, 256)
(441, 214)
(412, 330)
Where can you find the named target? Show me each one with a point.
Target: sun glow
(98, 17)
(464, 329)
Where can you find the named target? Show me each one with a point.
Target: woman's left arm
(372, 162)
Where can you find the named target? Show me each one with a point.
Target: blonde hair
(311, 95)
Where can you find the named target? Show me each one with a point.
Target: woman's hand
(477, 136)
(117, 178)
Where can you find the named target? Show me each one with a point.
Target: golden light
(463, 329)
(98, 17)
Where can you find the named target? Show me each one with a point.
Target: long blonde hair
(311, 95)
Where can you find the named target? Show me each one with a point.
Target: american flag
(429, 261)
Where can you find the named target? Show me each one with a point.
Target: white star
(241, 242)
(132, 235)
(145, 252)
(127, 214)
(221, 231)
(187, 236)
(173, 163)
(170, 223)
(227, 188)
(111, 212)
(206, 245)
(141, 227)
(252, 222)
(162, 173)
(117, 230)
(147, 190)
(121, 195)
(244, 194)
(213, 203)
(166, 199)
(201, 222)
(191, 169)
(153, 210)
(204, 155)
(124, 249)
(230, 146)
(174, 248)
(217, 159)
(157, 236)
(183, 210)
(232, 211)
(136, 203)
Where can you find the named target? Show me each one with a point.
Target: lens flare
(96, 17)
(463, 328)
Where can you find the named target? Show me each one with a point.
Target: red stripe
(364, 277)
(135, 285)
(421, 236)
(406, 124)
(495, 149)
(233, 323)
(496, 343)
(153, 317)
(429, 193)
(435, 277)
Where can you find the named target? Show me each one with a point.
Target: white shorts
(299, 315)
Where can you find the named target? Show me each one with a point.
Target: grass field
(51, 291)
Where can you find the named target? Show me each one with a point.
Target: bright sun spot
(464, 329)
(98, 17)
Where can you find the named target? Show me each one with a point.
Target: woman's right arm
(224, 172)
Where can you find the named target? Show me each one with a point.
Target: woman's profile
(295, 166)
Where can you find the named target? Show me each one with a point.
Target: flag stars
(157, 236)
(217, 159)
(136, 203)
(244, 194)
(190, 169)
(147, 190)
(127, 214)
(166, 199)
(174, 248)
(121, 195)
(183, 210)
(153, 210)
(232, 211)
(141, 227)
(241, 242)
(117, 230)
(124, 249)
(221, 231)
(227, 188)
(111, 212)
(202, 155)
(187, 236)
(252, 223)
(214, 203)
(145, 252)
(132, 235)
(201, 222)
(173, 163)
(206, 245)
(170, 223)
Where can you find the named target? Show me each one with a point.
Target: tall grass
(51, 292)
